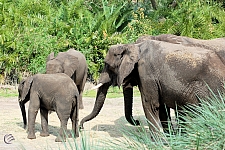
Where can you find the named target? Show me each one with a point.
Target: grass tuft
(202, 127)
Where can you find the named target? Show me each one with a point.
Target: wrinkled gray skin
(72, 63)
(49, 92)
(217, 45)
(166, 74)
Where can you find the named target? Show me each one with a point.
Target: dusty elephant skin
(167, 73)
(72, 63)
(217, 45)
(49, 92)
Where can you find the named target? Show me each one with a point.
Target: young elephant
(73, 63)
(49, 92)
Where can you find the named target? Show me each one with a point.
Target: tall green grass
(203, 128)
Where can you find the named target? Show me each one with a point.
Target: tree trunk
(154, 4)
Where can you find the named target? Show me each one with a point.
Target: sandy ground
(106, 126)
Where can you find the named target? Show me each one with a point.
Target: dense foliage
(31, 29)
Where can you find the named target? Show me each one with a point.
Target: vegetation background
(32, 29)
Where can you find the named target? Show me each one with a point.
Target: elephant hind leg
(81, 105)
(63, 117)
(74, 116)
(62, 131)
(81, 89)
(44, 122)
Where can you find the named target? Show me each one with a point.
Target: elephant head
(119, 70)
(24, 96)
(63, 63)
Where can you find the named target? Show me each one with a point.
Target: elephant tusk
(97, 86)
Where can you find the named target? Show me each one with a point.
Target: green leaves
(31, 29)
(195, 19)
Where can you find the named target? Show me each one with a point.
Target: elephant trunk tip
(81, 124)
(133, 122)
(136, 122)
(24, 126)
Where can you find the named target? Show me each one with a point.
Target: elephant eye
(119, 55)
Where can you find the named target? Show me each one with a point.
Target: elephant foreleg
(128, 103)
(164, 115)
(150, 101)
(44, 122)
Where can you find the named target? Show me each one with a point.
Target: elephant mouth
(23, 101)
(20, 99)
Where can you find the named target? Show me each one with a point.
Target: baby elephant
(50, 92)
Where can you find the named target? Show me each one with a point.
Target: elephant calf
(49, 92)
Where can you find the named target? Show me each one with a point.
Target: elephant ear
(131, 56)
(26, 87)
(50, 56)
(70, 65)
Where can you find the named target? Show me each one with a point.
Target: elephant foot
(72, 135)
(76, 135)
(60, 139)
(44, 134)
(31, 136)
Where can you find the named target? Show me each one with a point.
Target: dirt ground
(106, 126)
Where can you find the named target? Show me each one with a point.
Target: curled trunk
(128, 104)
(100, 99)
(22, 107)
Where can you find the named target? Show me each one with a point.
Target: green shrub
(196, 18)
(30, 30)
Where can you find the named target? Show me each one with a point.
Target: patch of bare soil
(106, 126)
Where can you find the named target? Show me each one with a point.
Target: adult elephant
(217, 45)
(166, 74)
(72, 63)
(49, 92)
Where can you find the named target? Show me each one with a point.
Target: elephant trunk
(22, 107)
(128, 104)
(100, 99)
